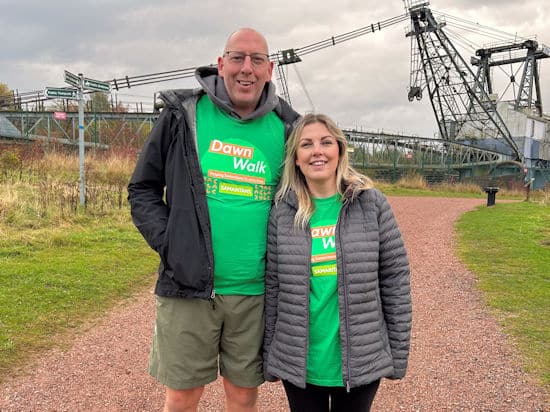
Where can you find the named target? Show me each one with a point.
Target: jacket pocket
(184, 251)
(382, 327)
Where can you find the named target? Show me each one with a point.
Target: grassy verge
(415, 185)
(55, 278)
(62, 265)
(508, 247)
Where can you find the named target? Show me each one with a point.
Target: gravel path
(460, 360)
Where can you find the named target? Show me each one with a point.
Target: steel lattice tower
(463, 108)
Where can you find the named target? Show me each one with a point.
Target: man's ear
(220, 66)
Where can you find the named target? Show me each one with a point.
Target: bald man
(200, 195)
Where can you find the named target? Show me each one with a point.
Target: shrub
(412, 181)
(10, 165)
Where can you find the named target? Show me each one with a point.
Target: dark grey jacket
(373, 293)
(166, 191)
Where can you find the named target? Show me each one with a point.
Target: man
(200, 195)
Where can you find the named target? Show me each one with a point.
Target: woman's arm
(395, 291)
(271, 289)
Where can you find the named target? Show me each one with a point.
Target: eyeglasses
(238, 58)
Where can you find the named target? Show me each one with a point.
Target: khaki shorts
(192, 334)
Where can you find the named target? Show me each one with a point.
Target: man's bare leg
(239, 399)
(186, 400)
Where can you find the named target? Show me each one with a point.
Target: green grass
(508, 247)
(445, 190)
(391, 190)
(54, 279)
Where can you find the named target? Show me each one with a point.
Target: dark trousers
(326, 398)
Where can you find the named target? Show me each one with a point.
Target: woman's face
(317, 155)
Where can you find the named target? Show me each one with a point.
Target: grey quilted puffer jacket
(373, 293)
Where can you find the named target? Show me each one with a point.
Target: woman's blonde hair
(348, 181)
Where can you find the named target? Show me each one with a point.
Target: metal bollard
(491, 194)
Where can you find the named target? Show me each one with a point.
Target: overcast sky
(360, 83)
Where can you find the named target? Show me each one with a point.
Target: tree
(64, 105)
(6, 97)
(100, 102)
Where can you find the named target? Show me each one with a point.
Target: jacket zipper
(346, 317)
(307, 302)
(190, 153)
(211, 299)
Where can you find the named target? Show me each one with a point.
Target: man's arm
(146, 188)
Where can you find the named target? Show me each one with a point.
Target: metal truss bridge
(101, 130)
(386, 156)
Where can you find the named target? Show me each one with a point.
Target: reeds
(45, 187)
(38, 186)
(418, 182)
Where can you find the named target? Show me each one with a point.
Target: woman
(338, 305)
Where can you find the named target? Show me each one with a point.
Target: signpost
(96, 85)
(81, 83)
(60, 93)
(72, 79)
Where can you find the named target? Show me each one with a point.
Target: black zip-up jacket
(167, 193)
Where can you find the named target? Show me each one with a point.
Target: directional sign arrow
(54, 92)
(92, 84)
(72, 79)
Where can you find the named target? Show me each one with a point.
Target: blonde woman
(338, 305)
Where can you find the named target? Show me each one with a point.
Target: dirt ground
(460, 359)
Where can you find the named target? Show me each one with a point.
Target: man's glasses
(237, 58)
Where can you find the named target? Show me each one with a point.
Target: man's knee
(182, 400)
(240, 398)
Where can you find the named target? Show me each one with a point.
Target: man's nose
(247, 64)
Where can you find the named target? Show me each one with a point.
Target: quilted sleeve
(395, 291)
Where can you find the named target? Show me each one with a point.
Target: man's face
(246, 77)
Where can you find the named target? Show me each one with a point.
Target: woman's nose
(317, 148)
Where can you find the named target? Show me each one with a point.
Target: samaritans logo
(235, 190)
(238, 170)
(323, 251)
(324, 270)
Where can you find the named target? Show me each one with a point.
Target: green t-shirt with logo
(241, 164)
(324, 359)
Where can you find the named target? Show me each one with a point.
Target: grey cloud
(360, 82)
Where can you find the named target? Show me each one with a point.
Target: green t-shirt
(324, 359)
(241, 164)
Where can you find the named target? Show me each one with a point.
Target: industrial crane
(463, 101)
